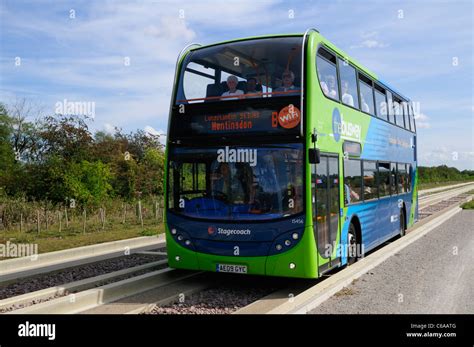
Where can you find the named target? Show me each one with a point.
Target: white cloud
(447, 156)
(368, 34)
(370, 43)
(152, 131)
(109, 128)
(171, 28)
(369, 39)
(422, 121)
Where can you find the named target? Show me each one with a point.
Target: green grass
(429, 185)
(468, 205)
(53, 240)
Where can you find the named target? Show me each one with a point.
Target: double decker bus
(284, 157)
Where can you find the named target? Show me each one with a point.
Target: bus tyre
(351, 245)
(402, 223)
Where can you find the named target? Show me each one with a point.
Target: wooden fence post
(102, 217)
(37, 221)
(140, 216)
(84, 218)
(59, 219)
(124, 213)
(65, 215)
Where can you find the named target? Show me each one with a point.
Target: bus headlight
(284, 242)
(181, 237)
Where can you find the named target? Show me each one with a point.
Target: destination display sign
(278, 119)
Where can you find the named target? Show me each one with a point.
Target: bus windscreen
(236, 183)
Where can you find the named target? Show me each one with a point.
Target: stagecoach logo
(341, 128)
(227, 232)
(241, 155)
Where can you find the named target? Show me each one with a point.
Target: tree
(125, 177)
(24, 137)
(56, 158)
(88, 183)
(7, 155)
(151, 170)
(66, 136)
(107, 148)
(138, 142)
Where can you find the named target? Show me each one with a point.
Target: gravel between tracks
(223, 300)
(65, 293)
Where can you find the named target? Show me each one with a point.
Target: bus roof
(247, 38)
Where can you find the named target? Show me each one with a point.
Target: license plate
(237, 269)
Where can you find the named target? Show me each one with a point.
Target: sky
(121, 55)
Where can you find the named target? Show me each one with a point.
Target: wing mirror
(314, 156)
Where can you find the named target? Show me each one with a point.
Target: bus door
(325, 176)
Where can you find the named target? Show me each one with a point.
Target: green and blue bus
(284, 157)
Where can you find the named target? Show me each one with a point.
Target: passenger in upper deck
(288, 78)
(232, 84)
(332, 88)
(365, 105)
(252, 88)
(346, 97)
(323, 84)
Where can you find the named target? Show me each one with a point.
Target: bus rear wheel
(352, 245)
(402, 223)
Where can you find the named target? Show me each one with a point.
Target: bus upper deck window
(366, 94)
(391, 116)
(348, 78)
(327, 73)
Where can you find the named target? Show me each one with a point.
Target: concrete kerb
(75, 303)
(75, 286)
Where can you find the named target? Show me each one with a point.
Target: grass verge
(53, 240)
